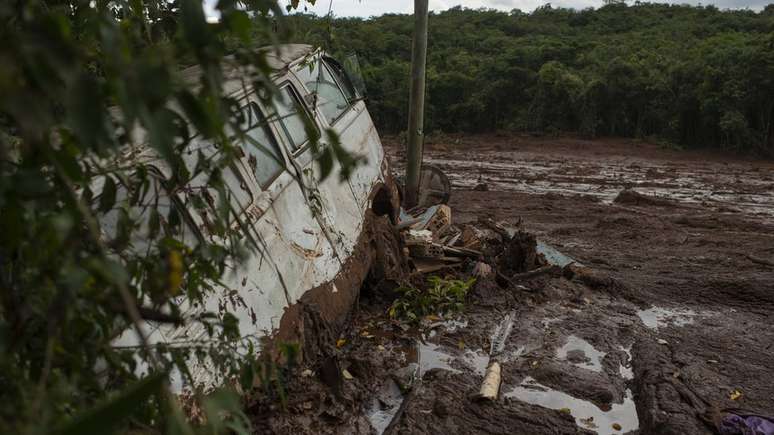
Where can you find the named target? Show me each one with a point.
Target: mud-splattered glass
(291, 117)
(263, 153)
(328, 96)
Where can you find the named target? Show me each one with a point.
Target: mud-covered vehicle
(316, 235)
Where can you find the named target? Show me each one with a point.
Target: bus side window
(292, 119)
(343, 78)
(329, 97)
(264, 156)
(156, 196)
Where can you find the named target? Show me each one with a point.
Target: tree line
(692, 76)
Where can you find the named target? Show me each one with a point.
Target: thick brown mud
(670, 312)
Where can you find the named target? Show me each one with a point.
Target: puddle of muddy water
(625, 370)
(624, 414)
(383, 407)
(477, 360)
(433, 356)
(657, 317)
(594, 356)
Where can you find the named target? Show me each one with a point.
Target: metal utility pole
(416, 103)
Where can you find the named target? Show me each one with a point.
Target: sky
(367, 8)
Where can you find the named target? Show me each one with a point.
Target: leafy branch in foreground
(102, 138)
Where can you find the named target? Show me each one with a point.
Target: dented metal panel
(361, 138)
(307, 231)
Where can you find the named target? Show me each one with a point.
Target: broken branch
(550, 269)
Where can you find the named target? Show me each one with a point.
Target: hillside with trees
(690, 76)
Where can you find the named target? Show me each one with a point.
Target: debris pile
(434, 243)
(501, 254)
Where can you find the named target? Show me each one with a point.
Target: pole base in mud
(490, 388)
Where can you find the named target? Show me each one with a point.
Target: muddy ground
(674, 320)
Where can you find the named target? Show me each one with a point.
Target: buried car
(316, 238)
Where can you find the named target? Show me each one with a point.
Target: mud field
(672, 325)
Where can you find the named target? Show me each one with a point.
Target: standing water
(586, 414)
(594, 357)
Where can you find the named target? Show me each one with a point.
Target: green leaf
(154, 223)
(108, 197)
(326, 163)
(86, 117)
(224, 411)
(196, 114)
(240, 24)
(173, 219)
(13, 222)
(247, 376)
(194, 22)
(176, 422)
(230, 326)
(112, 271)
(68, 159)
(105, 418)
(124, 230)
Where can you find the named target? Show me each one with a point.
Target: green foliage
(272, 376)
(107, 415)
(442, 296)
(92, 242)
(690, 75)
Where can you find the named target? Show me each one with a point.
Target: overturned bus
(316, 251)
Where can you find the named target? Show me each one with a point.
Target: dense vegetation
(91, 244)
(693, 76)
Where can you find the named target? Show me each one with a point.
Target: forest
(686, 76)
